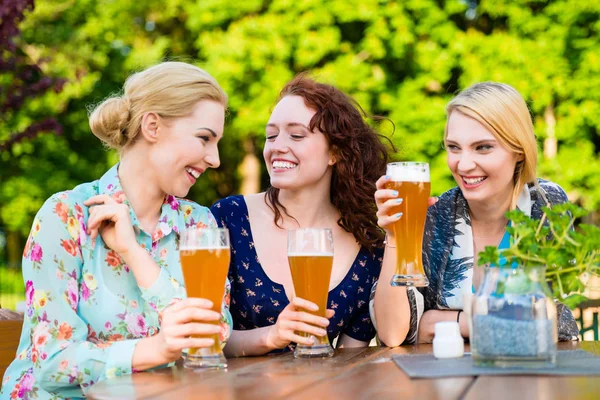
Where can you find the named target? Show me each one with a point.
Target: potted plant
(514, 312)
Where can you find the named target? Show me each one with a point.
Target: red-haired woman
(323, 161)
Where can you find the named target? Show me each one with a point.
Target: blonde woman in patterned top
(492, 154)
(101, 267)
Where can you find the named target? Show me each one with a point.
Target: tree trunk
(14, 250)
(249, 169)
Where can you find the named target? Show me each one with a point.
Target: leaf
(489, 256)
(574, 300)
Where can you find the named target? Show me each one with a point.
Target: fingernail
(399, 201)
(395, 193)
(398, 215)
(322, 332)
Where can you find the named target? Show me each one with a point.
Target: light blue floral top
(85, 311)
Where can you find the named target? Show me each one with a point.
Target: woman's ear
(149, 128)
(333, 156)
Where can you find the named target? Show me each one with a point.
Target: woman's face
(482, 167)
(295, 156)
(185, 147)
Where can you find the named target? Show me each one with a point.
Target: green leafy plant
(571, 255)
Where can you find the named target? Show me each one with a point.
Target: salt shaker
(448, 342)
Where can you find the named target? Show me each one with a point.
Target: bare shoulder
(255, 202)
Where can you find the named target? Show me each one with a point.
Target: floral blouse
(85, 311)
(257, 301)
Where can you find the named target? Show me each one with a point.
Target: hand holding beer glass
(204, 254)
(412, 182)
(310, 254)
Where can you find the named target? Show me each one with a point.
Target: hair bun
(109, 121)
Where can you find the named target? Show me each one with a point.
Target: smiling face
(481, 165)
(185, 147)
(295, 156)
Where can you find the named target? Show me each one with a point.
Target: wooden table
(10, 334)
(367, 373)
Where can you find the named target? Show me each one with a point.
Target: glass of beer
(204, 254)
(310, 254)
(411, 180)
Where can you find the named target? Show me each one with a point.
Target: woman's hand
(181, 321)
(386, 199)
(293, 320)
(111, 220)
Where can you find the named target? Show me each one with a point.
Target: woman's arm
(393, 308)
(391, 305)
(159, 289)
(292, 319)
(64, 351)
(251, 342)
(110, 219)
(345, 341)
(431, 317)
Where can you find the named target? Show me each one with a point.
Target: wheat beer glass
(310, 254)
(411, 180)
(204, 254)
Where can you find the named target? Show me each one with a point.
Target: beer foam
(408, 172)
(313, 254)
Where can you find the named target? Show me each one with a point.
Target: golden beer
(311, 274)
(310, 254)
(204, 272)
(411, 180)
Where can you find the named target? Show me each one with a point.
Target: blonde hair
(170, 89)
(502, 110)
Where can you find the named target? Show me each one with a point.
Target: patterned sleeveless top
(256, 300)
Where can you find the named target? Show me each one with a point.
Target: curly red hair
(361, 158)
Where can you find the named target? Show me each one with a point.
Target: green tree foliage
(24, 87)
(401, 59)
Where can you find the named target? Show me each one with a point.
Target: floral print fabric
(256, 301)
(85, 311)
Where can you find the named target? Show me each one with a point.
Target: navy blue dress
(256, 300)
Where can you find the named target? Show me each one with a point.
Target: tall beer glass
(310, 254)
(411, 180)
(204, 254)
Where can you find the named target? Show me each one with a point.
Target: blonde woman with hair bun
(492, 154)
(103, 280)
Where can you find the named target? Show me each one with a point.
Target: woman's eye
(297, 137)
(484, 147)
(451, 147)
(205, 138)
(271, 137)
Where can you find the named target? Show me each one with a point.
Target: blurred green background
(400, 59)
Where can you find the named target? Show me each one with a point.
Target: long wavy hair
(361, 158)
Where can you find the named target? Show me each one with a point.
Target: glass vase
(514, 319)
